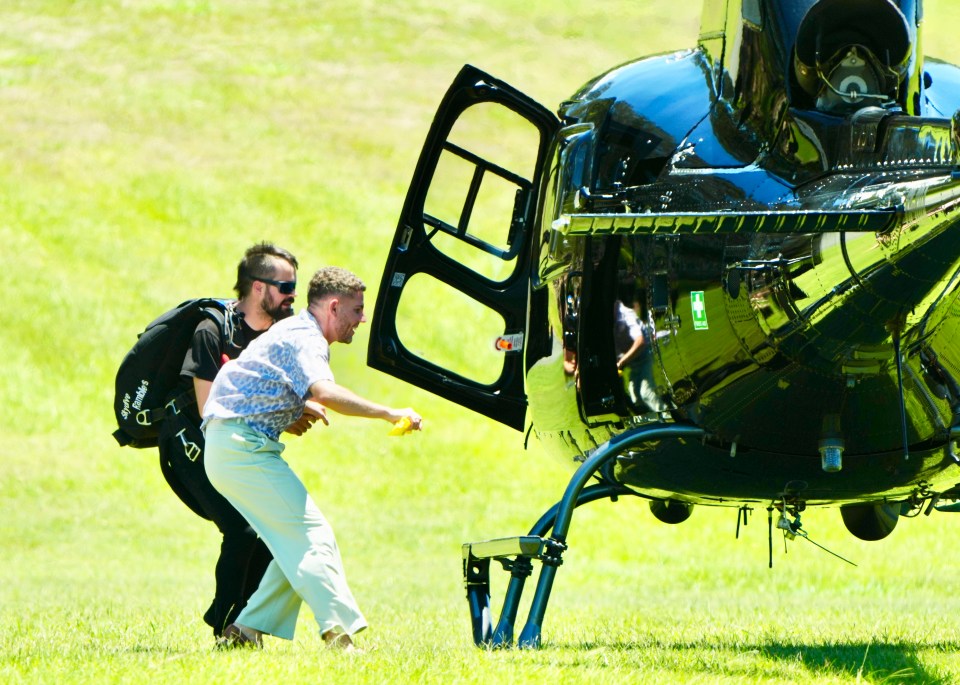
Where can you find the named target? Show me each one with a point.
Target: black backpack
(150, 371)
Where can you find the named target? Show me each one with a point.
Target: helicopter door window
(480, 190)
(461, 343)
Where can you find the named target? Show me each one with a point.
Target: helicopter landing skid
(516, 554)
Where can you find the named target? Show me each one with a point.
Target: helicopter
(724, 276)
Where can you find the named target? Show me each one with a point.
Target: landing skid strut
(516, 554)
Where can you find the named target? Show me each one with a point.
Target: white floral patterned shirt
(268, 384)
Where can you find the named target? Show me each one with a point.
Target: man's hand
(312, 412)
(413, 420)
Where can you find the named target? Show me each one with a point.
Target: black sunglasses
(285, 287)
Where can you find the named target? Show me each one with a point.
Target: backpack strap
(122, 437)
(179, 403)
(147, 417)
(224, 320)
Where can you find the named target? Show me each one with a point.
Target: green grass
(143, 145)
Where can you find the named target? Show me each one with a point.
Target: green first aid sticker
(698, 304)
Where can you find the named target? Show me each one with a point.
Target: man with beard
(266, 287)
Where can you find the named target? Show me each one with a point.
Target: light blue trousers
(247, 469)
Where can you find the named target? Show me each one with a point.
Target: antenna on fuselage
(791, 530)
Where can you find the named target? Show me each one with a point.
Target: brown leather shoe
(234, 637)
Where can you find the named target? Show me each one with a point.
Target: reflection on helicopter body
(633, 339)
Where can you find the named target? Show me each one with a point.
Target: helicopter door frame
(414, 252)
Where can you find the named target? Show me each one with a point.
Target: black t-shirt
(209, 351)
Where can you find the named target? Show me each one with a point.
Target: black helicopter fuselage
(744, 237)
(723, 276)
(814, 258)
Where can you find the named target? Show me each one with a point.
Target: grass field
(143, 145)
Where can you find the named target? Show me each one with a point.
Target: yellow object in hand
(402, 426)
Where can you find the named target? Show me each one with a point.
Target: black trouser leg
(243, 556)
(243, 559)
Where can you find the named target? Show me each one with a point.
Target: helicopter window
(480, 189)
(462, 344)
(751, 12)
(510, 145)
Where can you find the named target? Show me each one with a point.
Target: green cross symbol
(698, 304)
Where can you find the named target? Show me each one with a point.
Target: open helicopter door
(451, 312)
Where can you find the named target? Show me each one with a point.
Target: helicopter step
(516, 554)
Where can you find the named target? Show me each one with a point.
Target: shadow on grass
(874, 662)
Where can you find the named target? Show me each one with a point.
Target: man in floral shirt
(284, 379)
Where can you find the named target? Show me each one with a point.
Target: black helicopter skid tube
(517, 553)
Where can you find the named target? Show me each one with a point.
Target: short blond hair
(333, 280)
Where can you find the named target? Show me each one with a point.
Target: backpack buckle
(143, 417)
(190, 448)
(179, 403)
